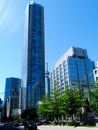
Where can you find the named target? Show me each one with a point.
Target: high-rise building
(12, 92)
(33, 66)
(73, 69)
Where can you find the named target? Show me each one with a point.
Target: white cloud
(5, 11)
(2, 4)
(15, 27)
(10, 18)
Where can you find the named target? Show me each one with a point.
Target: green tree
(94, 98)
(55, 102)
(44, 108)
(57, 105)
(72, 102)
(49, 107)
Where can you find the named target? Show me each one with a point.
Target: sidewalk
(45, 127)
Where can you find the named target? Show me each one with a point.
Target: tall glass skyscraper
(33, 66)
(73, 69)
(12, 86)
(12, 93)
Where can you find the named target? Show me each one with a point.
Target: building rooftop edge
(34, 2)
(69, 52)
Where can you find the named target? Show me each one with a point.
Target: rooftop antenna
(47, 66)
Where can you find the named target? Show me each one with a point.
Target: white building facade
(96, 73)
(73, 69)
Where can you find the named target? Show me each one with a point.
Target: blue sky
(67, 23)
